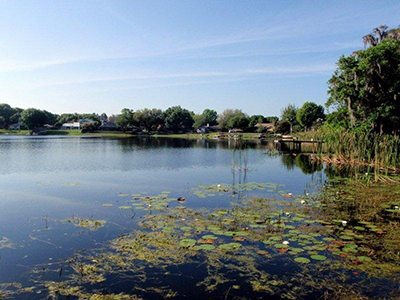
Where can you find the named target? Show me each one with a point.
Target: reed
(359, 147)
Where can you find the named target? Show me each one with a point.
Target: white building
(73, 125)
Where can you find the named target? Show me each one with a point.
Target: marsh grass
(380, 152)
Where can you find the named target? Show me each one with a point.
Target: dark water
(44, 181)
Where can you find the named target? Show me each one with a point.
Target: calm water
(46, 181)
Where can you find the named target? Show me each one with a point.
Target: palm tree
(369, 40)
(379, 34)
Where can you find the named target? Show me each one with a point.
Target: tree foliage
(33, 118)
(309, 113)
(233, 118)
(148, 119)
(8, 115)
(178, 119)
(366, 85)
(207, 117)
(125, 119)
(289, 115)
(255, 119)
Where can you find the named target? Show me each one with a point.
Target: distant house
(87, 122)
(235, 130)
(78, 125)
(207, 129)
(15, 126)
(268, 127)
(69, 126)
(203, 129)
(106, 125)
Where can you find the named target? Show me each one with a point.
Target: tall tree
(207, 117)
(289, 115)
(178, 119)
(309, 113)
(367, 86)
(125, 119)
(233, 118)
(33, 118)
(6, 114)
(149, 119)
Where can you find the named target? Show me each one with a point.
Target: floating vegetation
(242, 249)
(90, 224)
(152, 202)
(204, 191)
(302, 260)
(57, 289)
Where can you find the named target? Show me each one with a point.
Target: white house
(73, 125)
(78, 125)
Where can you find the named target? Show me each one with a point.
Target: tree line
(174, 119)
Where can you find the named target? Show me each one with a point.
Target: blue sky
(102, 56)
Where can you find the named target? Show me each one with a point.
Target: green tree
(149, 119)
(271, 119)
(66, 118)
(309, 113)
(178, 119)
(289, 115)
(33, 118)
(233, 118)
(283, 127)
(367, 86)
(125, 119)
(6, 114)
(255, 119)
(207, 117)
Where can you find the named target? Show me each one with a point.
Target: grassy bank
(13, 132)
(196, 136)
(116, 134)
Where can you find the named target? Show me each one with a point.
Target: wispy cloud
(195, 76)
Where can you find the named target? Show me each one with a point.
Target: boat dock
(294, 145)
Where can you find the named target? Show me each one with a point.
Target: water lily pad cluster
(243, 246)
(204, 191)
(90, 224)
(148, 202)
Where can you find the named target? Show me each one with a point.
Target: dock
(294, 145)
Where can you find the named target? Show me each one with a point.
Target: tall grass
(381, 151)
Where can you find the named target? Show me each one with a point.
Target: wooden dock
(293, 145)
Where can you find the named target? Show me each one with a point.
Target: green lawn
(14, 132)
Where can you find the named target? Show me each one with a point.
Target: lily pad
(318, 257)
(302, 260)
(364, 258)
(229, 246)
(186, 243)
(204, 247)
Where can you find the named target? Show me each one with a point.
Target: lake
(159, 218)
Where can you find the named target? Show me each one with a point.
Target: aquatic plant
(90, 224)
